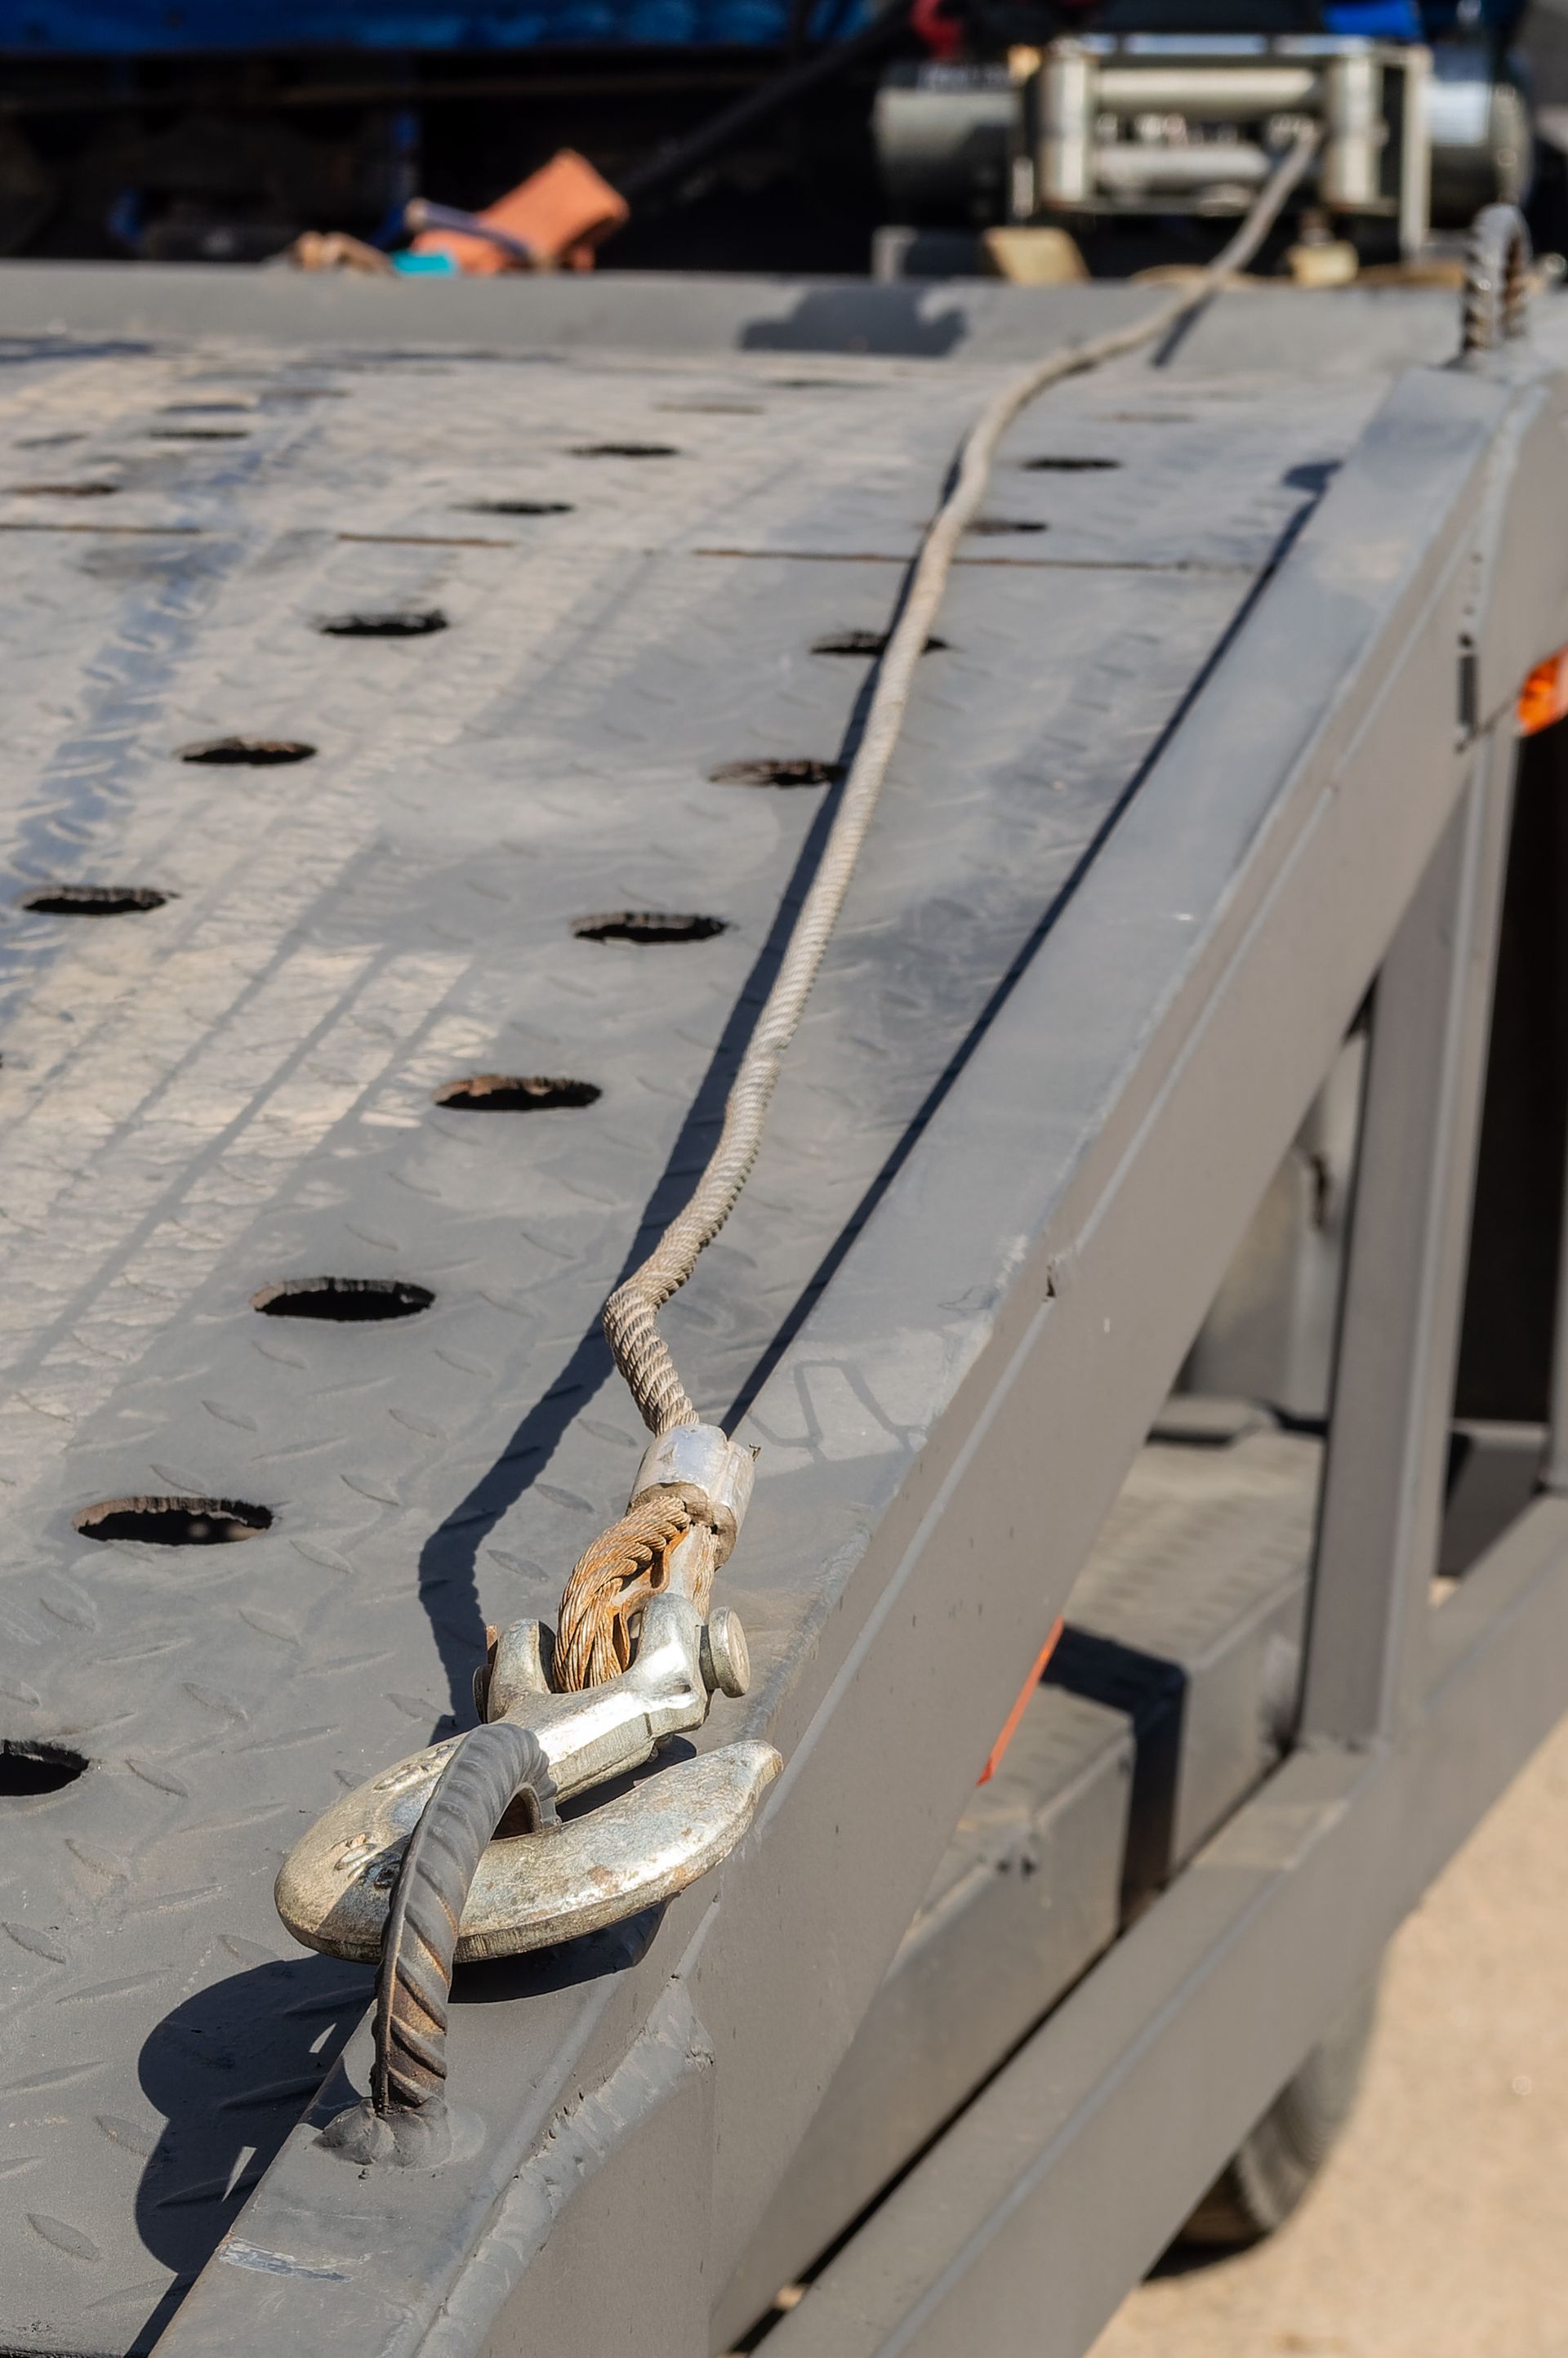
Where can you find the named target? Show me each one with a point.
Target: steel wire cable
(631, 1314)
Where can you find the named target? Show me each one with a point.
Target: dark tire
(1266, 2177)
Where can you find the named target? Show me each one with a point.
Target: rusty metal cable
(609, 1584)
(631, 1313)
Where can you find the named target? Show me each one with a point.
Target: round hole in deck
(61, 491)
(348, 1301)
(1068, 466)
(517, 507)
(992, 528)
(786, 770)
(92, 899)
(174, 1522)
(29, 1767)
(626, 450)
(647, 925)
(401, 622)
(247, 753)
(515, 1093)
(864, 643)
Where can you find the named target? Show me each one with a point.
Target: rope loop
(495, 1766)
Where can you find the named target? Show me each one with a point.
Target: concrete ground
(1439, 2228)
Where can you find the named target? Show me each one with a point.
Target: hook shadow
(231, 2068)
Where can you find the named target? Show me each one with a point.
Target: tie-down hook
(459, 1851)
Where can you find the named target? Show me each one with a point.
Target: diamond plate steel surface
(236, 1088)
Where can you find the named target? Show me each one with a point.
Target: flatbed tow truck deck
(387, 657)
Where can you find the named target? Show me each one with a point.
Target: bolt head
(726, 1660)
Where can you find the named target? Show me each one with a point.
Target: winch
(1105, 123)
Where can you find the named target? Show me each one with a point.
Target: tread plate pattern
(236, 1088)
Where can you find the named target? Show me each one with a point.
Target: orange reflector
(1543, 699)
(1010, 1728)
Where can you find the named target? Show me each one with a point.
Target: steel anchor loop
(489, 1774)
(426, 1864)
(333, 1889)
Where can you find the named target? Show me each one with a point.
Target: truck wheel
(1271, 2170)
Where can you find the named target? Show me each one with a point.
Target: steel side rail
(1023, 2228)
(942, 1440)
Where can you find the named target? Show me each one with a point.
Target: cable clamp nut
(700, 1464)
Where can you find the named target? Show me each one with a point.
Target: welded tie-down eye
(541, 1879)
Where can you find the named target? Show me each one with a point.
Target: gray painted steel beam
(1168, 1700)
(644, 311)
(1393, 1390)
(1021, 2230)
(1027, 1897)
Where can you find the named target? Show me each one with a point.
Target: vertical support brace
(1382, 1497)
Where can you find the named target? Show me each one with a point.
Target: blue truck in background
(151, 28)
